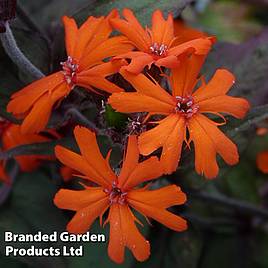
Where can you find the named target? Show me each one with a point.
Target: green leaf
(260, 249)
(32, 198)
(142, 9)
(114, 119)
(30, 209)
(172, 249)
(10, 80)
(227, 251)
(242, 183)
(50, 12)
(11, 263)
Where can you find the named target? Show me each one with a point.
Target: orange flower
(117, 193)
(12, 137)
(86, 48)
(156, 45)
(185, 109)
(262, 161)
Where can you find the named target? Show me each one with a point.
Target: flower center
(135, 125)
(159, 49)
(116, 195)
(69, 69)
(186, 106)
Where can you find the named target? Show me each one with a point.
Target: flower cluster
(161, 67)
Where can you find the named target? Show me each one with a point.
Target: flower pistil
(70, 69)
(186, 106)
(159, 50)
(116, 195)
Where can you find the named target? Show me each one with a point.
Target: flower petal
(147, 170)
(124, 233)
(159, 214)
(168, 62)
(85, 33)
(219, 85)
(83, 218)
(237, 107)
(98, 82)
(71, 32)
(110, 47)
(25, 98)
(184, 77)
(101, 33)
(88, 146)
(105, 69)
(209, 140)
(132, 29)
(144, 85)
(136, 102)
(200, 46)
(13, 137)
(171, 153)
(39, 115)
(131, 159)
(137, 64)
(130, 17)
(77, 162)
(262, 161)
(164, 197)
(96, 76)
(155, 138)
(162, 30)
(77, 200)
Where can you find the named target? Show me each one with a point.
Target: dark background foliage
(228, 217)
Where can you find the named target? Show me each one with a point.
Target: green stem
(251, 119)
(80, 119)
(242, 206)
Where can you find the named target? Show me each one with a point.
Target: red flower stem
(16, 55)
